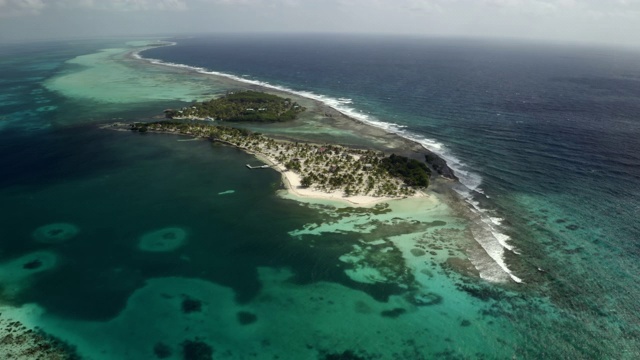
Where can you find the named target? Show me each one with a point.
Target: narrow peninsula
(313, 170)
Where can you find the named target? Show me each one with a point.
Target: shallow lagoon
(300, 269)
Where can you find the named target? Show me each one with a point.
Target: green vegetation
(411, 171)
(241, 106)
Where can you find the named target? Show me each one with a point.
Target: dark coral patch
(346, 355)
(417, 252)
(394, 313)
(246, 318)
(190, 305)
(31, 265)
(55, 233)
(425, 299)
(196, 350)
(482, 293)
(162, 350)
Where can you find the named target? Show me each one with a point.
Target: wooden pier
(258, 167)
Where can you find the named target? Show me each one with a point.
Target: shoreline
(293, 185)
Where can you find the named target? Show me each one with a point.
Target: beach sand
(294, 189)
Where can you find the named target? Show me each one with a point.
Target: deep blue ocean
(545, 139)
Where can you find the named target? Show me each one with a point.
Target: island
(360, 176)
(253, 106)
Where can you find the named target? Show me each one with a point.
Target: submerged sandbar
(163, 240)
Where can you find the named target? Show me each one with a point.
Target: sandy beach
(293, 185)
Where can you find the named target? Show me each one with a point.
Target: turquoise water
(266, 276)
(246, 252)
(158, 241)
(544, 138)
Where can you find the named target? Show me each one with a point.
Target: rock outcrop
(439, 165)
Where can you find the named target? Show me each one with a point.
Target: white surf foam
(494, 245)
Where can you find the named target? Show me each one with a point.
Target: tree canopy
(251, 106)
(411, 171)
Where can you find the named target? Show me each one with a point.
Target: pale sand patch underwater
(55, 233)
(288, 319)
(16, 274)
(109, 76)
(163, 240)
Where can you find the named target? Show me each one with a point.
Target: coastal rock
(439, 165)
